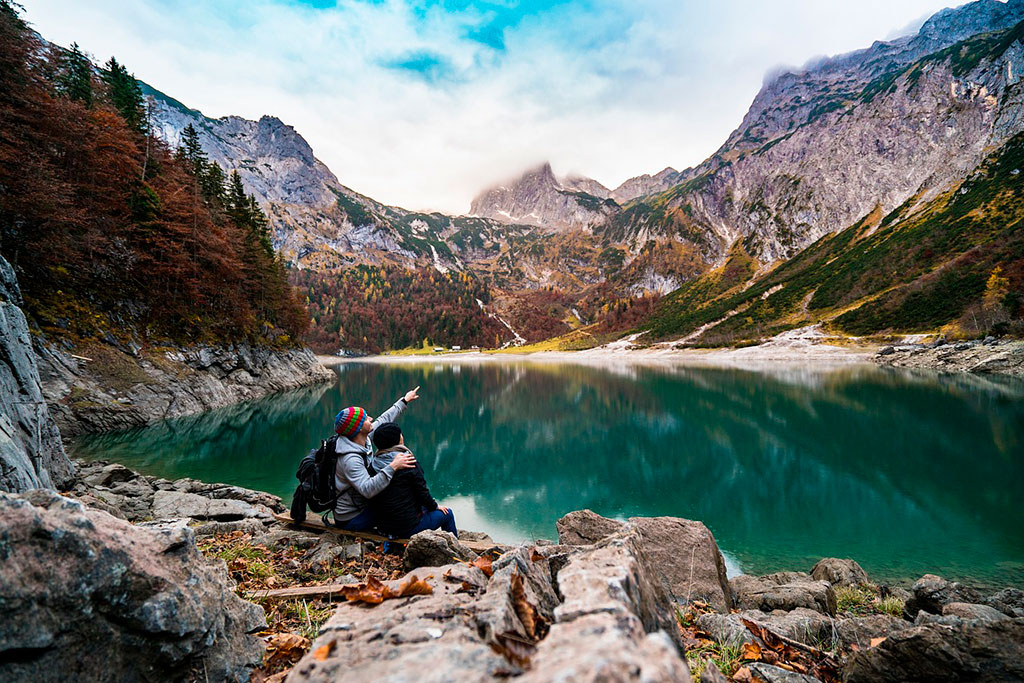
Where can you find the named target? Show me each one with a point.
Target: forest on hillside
(111, 233)
(376, 308)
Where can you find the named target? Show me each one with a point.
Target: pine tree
(75, 78)
(191, 150)
(237, 203)
(211, 184)
(125, 94)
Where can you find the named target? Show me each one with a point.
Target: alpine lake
(908, 473)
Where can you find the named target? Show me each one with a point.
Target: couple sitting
(384, 490)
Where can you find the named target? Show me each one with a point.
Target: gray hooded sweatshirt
(351, 478)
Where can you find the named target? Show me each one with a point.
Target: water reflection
(905, 472)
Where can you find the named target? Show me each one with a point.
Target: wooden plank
(332, 592)
(315, 524)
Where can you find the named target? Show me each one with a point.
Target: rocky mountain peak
(539, 198)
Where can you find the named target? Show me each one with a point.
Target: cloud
(423, 103)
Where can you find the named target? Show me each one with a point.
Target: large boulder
(1009, 601)
(434, 548)
(31, 452)
(684, 551)
(783, 591)
(931, 593)
(85, 595)
(585, 527)
(966, 610)
(839, 572)
(947, 649)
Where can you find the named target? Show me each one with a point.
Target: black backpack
(316, 481)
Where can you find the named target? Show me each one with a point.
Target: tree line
(109, 230)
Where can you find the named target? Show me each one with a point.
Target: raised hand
(412, 395)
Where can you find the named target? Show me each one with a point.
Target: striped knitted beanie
(349, 421)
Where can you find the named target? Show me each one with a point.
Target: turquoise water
(907, 473)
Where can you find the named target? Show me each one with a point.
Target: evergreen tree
(75, 78)
(212, 184)
(237, 204)
(125, 94)
(259, 224)
(191, 151)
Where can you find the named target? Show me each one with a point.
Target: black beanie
(386, 435)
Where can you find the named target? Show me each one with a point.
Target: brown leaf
(411, 586)
(483, 563)
(371, 591)
(535, 556)
(527, 613)
(743, 675)
(466, 587)
(323, 652)
(875, 642)
(751, 652)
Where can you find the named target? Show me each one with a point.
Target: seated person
(405, 507)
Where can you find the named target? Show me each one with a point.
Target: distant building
(438, 349)
(456, 348)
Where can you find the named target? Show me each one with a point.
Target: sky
(423, 104)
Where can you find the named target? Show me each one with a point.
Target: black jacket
(397, 509)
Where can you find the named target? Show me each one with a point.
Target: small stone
(435, 548)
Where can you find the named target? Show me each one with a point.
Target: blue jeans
(361, 522)
(445, 521)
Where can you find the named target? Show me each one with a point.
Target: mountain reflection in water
(907, 473)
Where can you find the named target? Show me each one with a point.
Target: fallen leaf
(875, 642)
(743, 675)
(411, 586)
(466, 587)
(483, 563)
(323, 652)
(535, 556)
(751, 651)
(532, 621)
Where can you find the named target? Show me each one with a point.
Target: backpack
(316, 481)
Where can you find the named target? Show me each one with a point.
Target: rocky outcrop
(116, 389)
(931, 593)
(31, 451)
(989, 356)
(86, 595)
(971, 650)
(548, 613)
(642, 185)
(684, 551)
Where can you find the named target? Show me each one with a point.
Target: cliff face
(31, 452)
(116, 390)
(820, 149)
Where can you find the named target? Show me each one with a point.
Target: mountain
(645, 184)
(821, 148)
(540, 199)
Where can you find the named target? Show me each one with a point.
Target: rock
(801, 624)
(887, 351)
(31, 451)
(434, 548)
(783, 591)
(966, 610)
(971, 650)
(583, 527)
(931, 592)
(179, 504)
(1009, 601)
(603, 647)
(684, 551)
(839, 572)
(860, 630)
(686, 554)
(773, 674)
(107, 475)
(325, 555)
(474, 536)
(223, 491)
(86, 594)
(431, 638)
(279, 537)
(252, 527)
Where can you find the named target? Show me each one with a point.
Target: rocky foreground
(987, 356)
(127, 577)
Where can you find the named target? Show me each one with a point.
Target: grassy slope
(912, 271)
